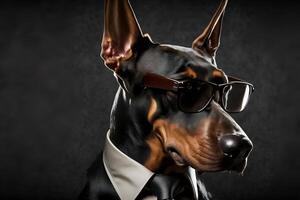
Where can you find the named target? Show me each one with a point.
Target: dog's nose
(235, 146)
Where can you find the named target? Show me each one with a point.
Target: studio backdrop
(56, 93)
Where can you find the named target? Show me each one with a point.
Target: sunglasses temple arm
(160, 82)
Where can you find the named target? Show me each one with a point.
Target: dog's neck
(128, 131)
(131, 133)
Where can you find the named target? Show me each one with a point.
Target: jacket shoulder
(98, 186)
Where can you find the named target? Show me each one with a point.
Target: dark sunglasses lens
(236, 96)
(195, 97)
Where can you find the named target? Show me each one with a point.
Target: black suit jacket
(99, 186)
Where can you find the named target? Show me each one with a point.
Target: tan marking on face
(158, 159)
(198, 148)
(152, 109)
(217, 73)
(219, 76)
(190, 73)
(156, 153)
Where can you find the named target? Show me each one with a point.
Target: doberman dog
(170, 113)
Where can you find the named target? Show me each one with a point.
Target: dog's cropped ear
(209, 40)
(121, 33)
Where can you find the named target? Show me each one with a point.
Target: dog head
(209, 140)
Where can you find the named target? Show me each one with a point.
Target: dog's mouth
(176, 156)
(238, 167)
(200, 163)
(230, 166)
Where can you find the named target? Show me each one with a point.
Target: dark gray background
(55, 93)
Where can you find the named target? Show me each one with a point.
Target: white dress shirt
(129, 177)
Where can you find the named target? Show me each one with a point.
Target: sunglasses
(194, 96)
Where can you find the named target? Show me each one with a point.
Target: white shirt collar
(127, 176)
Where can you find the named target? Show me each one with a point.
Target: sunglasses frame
(152, 80)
